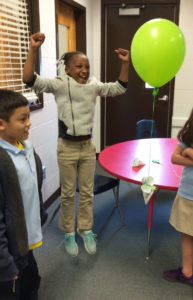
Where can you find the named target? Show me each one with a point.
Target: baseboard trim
(178, 122)
(52, 198)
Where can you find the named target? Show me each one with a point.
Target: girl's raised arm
(36, 40)
(124, 56)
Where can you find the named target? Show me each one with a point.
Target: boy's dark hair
(65, 58)
(186, 133)
(9, 101)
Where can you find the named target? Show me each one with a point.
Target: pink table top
(118, 160)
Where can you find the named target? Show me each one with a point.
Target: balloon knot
(155, 91)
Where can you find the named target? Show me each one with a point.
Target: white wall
(44, 122)
(183, 95)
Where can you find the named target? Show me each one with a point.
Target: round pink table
(155, 153)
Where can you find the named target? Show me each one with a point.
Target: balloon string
(154, 93)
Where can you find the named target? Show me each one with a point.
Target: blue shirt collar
(9, 147)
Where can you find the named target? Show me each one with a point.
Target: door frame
(104, 4)
(80, 15)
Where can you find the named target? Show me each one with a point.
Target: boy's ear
(2, 124)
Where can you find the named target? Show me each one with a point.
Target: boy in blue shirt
(21, 205)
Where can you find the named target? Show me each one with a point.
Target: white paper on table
(147, 188)
(137, 162)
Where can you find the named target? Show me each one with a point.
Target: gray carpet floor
(119, 269)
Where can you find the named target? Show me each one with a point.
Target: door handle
(164, 98)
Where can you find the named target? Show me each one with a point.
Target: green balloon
(157, 51)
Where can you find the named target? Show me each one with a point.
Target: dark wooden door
(120, 114)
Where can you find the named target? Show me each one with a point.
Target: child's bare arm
(188, 152)
(124, 56)
(178, 157)
(36, 40)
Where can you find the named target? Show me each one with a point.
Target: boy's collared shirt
(24, 162)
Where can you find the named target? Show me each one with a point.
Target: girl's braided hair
(64, 59)
(186, 133)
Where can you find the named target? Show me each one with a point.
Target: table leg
(149, 224)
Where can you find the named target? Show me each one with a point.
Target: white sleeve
(47, 85)
(110, 89)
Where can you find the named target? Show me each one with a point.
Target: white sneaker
(89, 239)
